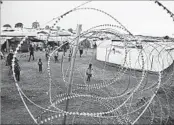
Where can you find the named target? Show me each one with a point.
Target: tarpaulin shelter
(34, 36)
(18, 33)
(35, 39)
(157, 56)
(11, 38)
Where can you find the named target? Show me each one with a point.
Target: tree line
(35, 25)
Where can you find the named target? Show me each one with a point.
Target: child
(40, 65)
(56, 55)
(17, 70)
(89, 72)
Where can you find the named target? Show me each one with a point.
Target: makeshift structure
(157, 56)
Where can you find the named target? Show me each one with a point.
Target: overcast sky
(139, 17)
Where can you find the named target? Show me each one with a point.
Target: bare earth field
(35, 86)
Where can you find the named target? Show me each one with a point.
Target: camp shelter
(157, 56)
(13, 37)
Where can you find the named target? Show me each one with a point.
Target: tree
(70, 30)
(18, 25)
(58, 27)
(7, 25)
(47, 27)
(166, 37)
(35, 25)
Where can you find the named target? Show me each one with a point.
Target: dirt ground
(35, 85)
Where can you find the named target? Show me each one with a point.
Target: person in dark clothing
(89, 72)
(95, 45)
(17, 70)
(56, 55)
(40, 65)
(9, 61)
(31, 49)
(37, 47)
(9, 58)
(81, 50)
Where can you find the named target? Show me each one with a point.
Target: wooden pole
(7, 46)
(79, 26)
(0, 21)
(0, 44)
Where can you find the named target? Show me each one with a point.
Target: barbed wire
(165, 8)
(102, 114)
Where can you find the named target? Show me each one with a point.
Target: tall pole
(0, 44)
(0, 21)
(79, 26)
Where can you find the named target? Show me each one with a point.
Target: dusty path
(35, 86)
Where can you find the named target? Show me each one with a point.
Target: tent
(3, 39)
(10, 39)
(64, 33)
(157, 56)
(18, 33)
(35, 39)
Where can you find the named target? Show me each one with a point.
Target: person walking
(89, 72)
(9, 61)
(40, 65)
(81, 50)
(31, 49)
(37, 47)
(17, 69)
(9, 58)
(2, 55)
(56, 55)
(95, 45)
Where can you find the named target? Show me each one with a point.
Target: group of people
(17, 68)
